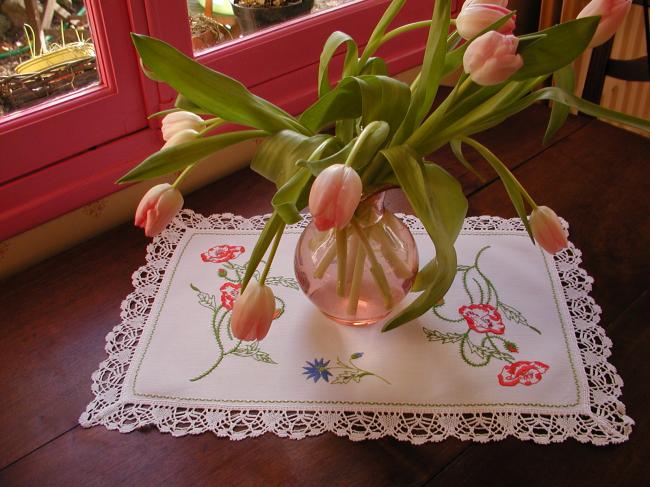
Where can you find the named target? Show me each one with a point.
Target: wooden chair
(629, 69)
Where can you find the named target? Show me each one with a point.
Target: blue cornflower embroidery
(318, 369)
(346, 372)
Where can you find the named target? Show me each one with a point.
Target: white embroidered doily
(515, 350)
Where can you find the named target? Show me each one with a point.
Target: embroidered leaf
(513, 314)
(289, 282)
(252, 350)
(206, 300)
(349, 375)
(261, 356)
(438, 336)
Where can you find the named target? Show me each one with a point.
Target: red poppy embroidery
(523, 372)
(483, 318)
(222, 253)
(229, 292)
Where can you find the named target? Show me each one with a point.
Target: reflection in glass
(216, 21)
(46, 50)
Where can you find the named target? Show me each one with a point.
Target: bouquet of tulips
(383, 129)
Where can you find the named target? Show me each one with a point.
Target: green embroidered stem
(466, 340)
(207, 372)
(216, 328)
(341, 260)
(352, 371)
(505, 356)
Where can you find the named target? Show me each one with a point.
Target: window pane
(225, 21)
(46, 51)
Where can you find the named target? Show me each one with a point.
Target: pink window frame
(64, 181)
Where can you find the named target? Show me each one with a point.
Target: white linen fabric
(514, 350)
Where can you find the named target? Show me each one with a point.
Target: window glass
(215, 22)
(46, 50)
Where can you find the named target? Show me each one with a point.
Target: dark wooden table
(56, 314)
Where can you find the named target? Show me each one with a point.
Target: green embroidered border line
(365, 403)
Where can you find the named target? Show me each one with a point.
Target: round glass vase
(357, 275)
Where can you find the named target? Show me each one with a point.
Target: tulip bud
(612, 13)
(253, 312)
(175, 122)
(157, 208)
(334, 197)
(181, 137)
(492, 58)
(547, 229)
(477, 17)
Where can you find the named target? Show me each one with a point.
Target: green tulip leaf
(366, 146)
(211, 91)
(277, 157)
(557, 94)
(565, 79)
(446, 194)
(180, 156)
(412, 177)
(375, 39)
(184, 104)
(561, 44)
(319, 165)
(334, 41)
(369, 97)
(292, 196)
(375, 66)
(507, 178)
(431, 73)
(457, 149)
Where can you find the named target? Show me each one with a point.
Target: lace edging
(606, 423)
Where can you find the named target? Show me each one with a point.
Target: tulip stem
(357, 275)
(324, 263)
(183, 175)
(399, 267)
(341, 260)
(375, 268)
(212, 124)
(404, 28)
(274, 248)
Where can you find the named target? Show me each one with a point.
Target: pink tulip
(548, 230)
(181, 137)
(477, 17)
(334, 197)
(157, 208)
(612, 13)
(175, 122)
(253, 312)
(492, 58)
(502, 3)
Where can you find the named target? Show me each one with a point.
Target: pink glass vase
(357, 275)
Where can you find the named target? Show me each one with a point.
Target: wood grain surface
(55, 317)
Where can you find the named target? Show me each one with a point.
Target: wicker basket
(22, 90)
